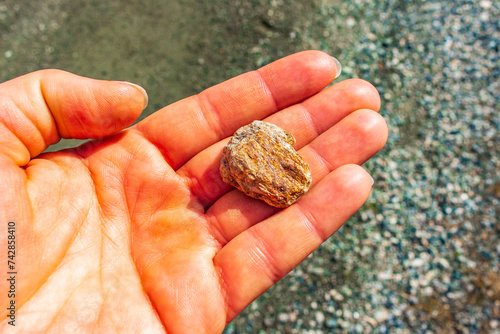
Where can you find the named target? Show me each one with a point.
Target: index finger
(183, 129)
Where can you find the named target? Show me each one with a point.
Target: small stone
(485, 4)
(418, 262)
(350, 22)
(331, 323)
(320, 317)
(260, 161)
(382, 315)
(283, 317)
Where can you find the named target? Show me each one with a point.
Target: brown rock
(260, 161)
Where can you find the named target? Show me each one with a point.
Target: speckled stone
(260, 161)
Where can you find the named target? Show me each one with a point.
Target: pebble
(260, 161)
(320, 317)
(283, 317)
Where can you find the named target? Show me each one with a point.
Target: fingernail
(373, 181)
(339, 67)
(142, 90)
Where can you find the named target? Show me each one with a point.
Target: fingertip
(383, 130)
(354, 179)
(88, 108)
(372, 126)
(338, 67)
(319, 62)
(322, 61)
(141, 90)
(344, 190)
(357, 186)
(368, 90)
(298, 76)
(359, 93)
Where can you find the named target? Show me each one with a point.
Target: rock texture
(260, 161)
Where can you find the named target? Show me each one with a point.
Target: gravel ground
(423, 254)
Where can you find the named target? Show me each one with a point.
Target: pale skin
(135, 231)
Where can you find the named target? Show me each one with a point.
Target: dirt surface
(173, 49)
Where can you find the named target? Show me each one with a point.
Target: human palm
(135, 231)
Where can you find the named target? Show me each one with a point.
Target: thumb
(39, 108)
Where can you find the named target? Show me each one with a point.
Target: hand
(136, 231)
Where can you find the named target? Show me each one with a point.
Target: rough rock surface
(260, 161)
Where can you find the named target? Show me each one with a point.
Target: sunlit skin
(135, 231)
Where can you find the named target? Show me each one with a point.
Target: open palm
(135, 231)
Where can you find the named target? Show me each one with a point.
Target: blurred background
(423, 254)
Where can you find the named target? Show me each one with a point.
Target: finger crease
(269, 92)
(211, 117)
(195, 186)
(312, 223)
(159, 147)
(230, 308)
(310, 119)
(324, 163)
(263, 252)
(215, 230)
